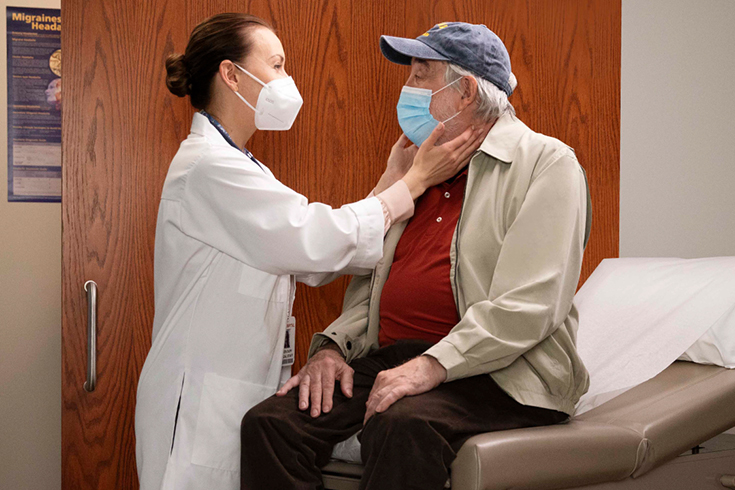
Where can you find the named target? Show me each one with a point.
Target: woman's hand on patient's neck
(399, 162)
(434, 164)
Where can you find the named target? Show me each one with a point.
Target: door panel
(121, 127)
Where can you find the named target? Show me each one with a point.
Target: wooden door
(121, 128)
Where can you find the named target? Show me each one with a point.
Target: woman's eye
(278, 67)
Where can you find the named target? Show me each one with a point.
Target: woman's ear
(228, 74)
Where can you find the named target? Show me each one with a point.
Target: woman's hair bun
(177, 79)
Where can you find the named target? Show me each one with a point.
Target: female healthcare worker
(230, 241)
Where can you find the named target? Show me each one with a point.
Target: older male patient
(468, 324)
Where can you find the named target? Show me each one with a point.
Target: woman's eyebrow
(278, 56)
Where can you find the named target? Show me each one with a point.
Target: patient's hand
(316, 380)
(415, 377)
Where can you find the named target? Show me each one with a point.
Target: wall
(30, 318)
(677, 168)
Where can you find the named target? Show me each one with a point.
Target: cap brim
(400, 50)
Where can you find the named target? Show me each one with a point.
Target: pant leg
(413, 443)
(284, 447)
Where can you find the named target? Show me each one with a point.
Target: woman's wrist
(415, 184)
(386, 180)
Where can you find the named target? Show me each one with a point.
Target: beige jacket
(516, 258)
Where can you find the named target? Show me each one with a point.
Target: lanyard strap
(227, 138)
(292, 296)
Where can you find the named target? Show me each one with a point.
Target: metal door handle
(91, 288)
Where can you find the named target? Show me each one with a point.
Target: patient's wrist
(331, 345)
(438, 371)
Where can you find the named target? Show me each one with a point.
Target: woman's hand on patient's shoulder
(317, 378)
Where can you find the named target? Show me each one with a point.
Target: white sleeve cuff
(370, 218)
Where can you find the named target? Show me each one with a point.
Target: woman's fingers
(470, 147)
(433, 137)
(460, 140)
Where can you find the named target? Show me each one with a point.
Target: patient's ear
(468, 87)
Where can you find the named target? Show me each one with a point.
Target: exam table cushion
(628, 436)
(639, 430)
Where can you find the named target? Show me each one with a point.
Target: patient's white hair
(491, 101)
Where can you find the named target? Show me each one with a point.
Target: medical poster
(34, 104)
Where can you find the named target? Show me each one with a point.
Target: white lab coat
(229, 239)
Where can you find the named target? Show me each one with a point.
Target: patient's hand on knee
(316, 380)
(417, 376)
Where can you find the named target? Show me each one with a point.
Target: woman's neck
(231, 117)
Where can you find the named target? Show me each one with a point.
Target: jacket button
(348, 345)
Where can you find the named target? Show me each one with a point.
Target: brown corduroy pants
(409, 446)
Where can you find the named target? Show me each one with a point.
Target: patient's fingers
(373, 400)
(389, 399)
(304, 392)
(327, 390)
(316, 396)
(289, 385)
(345, 382)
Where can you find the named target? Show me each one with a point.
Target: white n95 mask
(278, 104)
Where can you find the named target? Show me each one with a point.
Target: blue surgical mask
(414, 117)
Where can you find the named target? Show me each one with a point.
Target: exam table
(635, 441)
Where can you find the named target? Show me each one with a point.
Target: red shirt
(417, 300)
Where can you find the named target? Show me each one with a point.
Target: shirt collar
(503, 139)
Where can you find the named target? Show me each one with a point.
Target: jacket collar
(503, 139)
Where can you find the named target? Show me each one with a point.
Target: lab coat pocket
(262, 285)
(223, 404)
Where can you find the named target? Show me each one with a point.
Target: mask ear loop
(254, 78)
(445, 86)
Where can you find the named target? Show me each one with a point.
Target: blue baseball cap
(473, 47)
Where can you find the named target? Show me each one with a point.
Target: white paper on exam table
(637, 316)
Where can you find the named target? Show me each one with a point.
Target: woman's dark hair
(219, 38)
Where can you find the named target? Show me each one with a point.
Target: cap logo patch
(441, 25)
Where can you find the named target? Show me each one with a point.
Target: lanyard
(227, 138)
